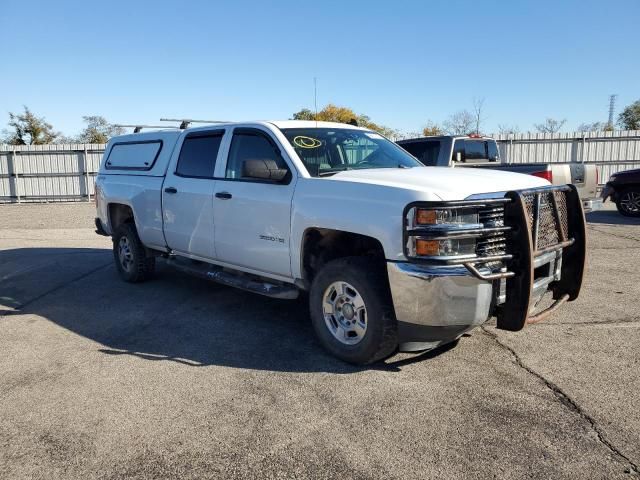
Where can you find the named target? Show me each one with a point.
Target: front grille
(493, 244)
(549, 232)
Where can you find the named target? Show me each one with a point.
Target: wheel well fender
(321, 245)
(118, 214)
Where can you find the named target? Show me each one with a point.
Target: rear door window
(198, 155)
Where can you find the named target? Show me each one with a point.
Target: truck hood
(445, 182)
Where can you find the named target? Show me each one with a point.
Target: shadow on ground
(173, 317)
(611, 217)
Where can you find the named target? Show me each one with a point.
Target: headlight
(441, 232)
(444, 248)
(424, 216)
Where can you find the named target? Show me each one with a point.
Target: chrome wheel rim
(345, 313)
(125, 255)
(630, 201)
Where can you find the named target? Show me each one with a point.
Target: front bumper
(435, 305)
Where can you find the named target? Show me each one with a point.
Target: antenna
(612, 108)
(315, 97)
(138, 128)
(184, 122)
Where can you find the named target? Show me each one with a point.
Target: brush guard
(531, 224)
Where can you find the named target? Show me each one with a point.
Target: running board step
(237, 280)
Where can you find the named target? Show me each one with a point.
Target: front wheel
(352, 312)
(628, 202)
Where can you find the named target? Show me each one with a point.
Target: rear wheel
(352, 312)
(132, 261)
(628, 202)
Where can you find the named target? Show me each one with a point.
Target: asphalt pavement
(181, 378)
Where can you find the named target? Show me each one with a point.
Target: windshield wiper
(333, 171)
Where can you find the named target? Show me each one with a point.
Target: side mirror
(263, 170)
(458, 156)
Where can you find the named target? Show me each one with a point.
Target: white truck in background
(392, 254)
(477, 151)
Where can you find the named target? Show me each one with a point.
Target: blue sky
(401, 62)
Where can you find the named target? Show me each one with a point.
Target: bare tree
(478, 105)
(460, 123)
(594, 127)
(508, 129)
(550, 125)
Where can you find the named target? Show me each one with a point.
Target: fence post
(14, 185)
(84, 174)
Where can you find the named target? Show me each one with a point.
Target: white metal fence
(54, 173)
(48, 173)
(610, 151)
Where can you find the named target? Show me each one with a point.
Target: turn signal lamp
(427, 248)
(445, 248)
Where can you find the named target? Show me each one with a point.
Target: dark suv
(624, 189)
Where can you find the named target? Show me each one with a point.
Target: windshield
(326, 151)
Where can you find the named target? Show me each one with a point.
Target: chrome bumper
(435, 305)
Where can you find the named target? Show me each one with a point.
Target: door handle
(171, 190)
(224, 195)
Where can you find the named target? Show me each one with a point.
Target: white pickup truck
(393, 254)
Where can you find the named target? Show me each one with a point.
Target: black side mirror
(263, 169)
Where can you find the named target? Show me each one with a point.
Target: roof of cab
(312, 124)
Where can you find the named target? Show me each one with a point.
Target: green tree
(304, 114)
(98, 130)
(29, 129)
(629, 119)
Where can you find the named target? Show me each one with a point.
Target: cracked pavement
(179, 378)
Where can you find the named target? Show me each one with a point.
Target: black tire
(624, 210)
(141, 265)
(368, 276)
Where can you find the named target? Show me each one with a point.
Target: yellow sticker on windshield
(306, 142)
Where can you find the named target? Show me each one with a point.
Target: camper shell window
(133, 155)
